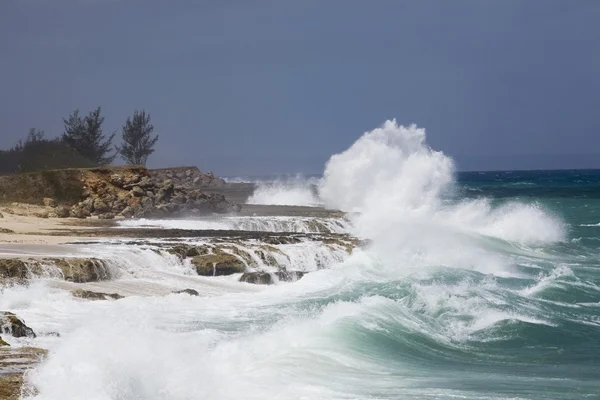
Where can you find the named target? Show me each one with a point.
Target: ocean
(480, 285)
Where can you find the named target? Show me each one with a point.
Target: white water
(297, 191)
(291, 341)
(256, 224)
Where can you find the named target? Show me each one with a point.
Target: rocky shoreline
(58, 237)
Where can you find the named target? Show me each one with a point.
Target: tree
(85, 136)
(137, 141)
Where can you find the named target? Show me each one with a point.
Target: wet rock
(49, 202)
(13, 269)
(3, 343)
(266, 278)
(218, 264)
(89, 295)
(1, 216)
(191, 292)
(10, 324)
(82, 270)
(14, 362)
(6, 230)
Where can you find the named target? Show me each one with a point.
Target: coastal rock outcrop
(188, 177)
(80, 270)
(218, 264)
(10, 324)
(134, 193)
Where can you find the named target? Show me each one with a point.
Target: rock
(49, 202)
(185, 250)
(3, 343)
(79, 212)
(1, 216)
(106, 216)
(82, 270)
(266, 278)
(218, 264)
(6, 230)
(137, 191)
(87, 205)
(191, 292)
(13, 269)
(62, 212)
(89, 295)
(128, 212)
(11, 324)
(100, 207)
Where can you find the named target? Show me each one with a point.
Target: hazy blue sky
(249, 86)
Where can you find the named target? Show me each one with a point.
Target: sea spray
(297, 191)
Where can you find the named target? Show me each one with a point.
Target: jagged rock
(266, 278)
(218, 264)
(137, 191)
(6, 230)
(82, 270)
(79, 212)
(186, 250)
(49, 202)
(10, 324)
(13, 269)
(3, 343)
(62, 212)
(100, 207)
(191, 292)
(89, 295)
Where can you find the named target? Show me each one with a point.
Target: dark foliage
(138, 142)
(85, 136)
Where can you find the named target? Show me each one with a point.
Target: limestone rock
(6, 230)
(3, 343)
(82, 270)
(10, 324)
(266, 278)
(89, 295)
(218, 264)
(191, 292)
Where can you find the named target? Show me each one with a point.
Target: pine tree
(85, 136)
(137, 141)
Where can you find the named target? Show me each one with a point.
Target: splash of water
(296, 191)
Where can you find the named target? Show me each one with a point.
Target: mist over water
(480, 296)
(291, 191)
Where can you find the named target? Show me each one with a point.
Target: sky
(250, 87)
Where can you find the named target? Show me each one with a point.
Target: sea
(478, 285)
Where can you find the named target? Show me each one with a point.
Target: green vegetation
(82, 145)
(138, 143)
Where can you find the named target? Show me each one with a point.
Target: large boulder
(10, 324)
(11, 268)
(218, 264)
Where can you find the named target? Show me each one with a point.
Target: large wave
(399, 193)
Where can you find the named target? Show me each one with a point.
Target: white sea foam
(256, 224)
